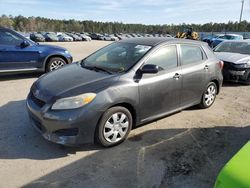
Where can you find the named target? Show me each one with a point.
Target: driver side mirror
(24, 44)
(150, 69)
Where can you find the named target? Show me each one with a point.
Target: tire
(209, 95)
(55, 63)
(116, 133)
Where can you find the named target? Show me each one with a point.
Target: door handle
(206, 67)
(1, 50)
(177, 76)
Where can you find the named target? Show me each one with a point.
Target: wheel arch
(217, 85)
(130, 108)
(46, 61)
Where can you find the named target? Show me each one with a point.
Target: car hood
(68, 81)
(51, 47)
(233, 57)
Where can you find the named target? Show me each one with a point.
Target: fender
(51, 55)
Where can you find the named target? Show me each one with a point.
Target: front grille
(67, 132)
(37, 101)
(228, 65)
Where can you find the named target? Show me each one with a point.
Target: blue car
(19, 54)
(222, 38)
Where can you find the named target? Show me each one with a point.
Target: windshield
(117, 57)
(234, 47)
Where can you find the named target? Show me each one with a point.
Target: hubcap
(56, 65)
(116, 127)
(210, 95)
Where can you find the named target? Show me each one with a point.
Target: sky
(131, 11)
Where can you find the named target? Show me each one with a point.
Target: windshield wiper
(95, 68)
(101, 69)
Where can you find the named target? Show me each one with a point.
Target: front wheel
(114, 126)
(55, 63)
(209, 95)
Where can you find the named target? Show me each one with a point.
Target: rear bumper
(71, 127)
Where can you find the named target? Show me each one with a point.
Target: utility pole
(242, 7)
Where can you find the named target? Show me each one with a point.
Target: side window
(7, 38)
(191, 54)
(165, 58)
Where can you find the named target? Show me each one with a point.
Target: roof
(154, 41)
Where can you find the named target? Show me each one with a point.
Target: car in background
(209, 39)
(51, 37)
(96, 36)
(122, 86)
(108, 37)
(84, 36)
(19, 54)
(37, 37)
(74, 36)
(64, 37)
(222, 38)
(236, 57)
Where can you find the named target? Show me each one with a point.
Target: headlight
(73, 102)
(245, 65)
(66, 51)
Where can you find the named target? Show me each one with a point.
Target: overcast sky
(131, 11)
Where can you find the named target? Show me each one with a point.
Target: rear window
(191, 54)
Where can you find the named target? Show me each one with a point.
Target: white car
(64, 38)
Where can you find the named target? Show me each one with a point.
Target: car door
(160, 93)
(14, 56)
(194, 69)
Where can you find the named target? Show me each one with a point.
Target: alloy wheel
(56, 65)
(210, 95)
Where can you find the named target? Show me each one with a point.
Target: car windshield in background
(234, 47)
(117, 57)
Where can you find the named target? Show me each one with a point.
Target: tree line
(29, 24)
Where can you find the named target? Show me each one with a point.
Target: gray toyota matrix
(125, 84)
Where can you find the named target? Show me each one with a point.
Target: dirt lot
(186, 149)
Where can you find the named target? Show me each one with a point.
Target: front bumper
(69, 58)
(71, 127)
(235, 74)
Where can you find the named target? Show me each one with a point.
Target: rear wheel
(55, 63)
(114, 126)
(209, 95)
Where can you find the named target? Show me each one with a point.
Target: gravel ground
(186, 149)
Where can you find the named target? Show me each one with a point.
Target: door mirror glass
(24, 44)
(150, 69)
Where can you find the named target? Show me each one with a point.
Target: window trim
(204, 55)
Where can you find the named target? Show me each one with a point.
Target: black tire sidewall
(52, 60)
(99, 131)
(203, 103)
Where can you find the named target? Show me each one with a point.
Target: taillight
(221, 64)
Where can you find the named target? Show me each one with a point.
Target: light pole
(241, 12)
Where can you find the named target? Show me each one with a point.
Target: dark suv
(19, 54)
(121, 86)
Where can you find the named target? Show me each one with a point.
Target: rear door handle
(177, 76)
(206, 67)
